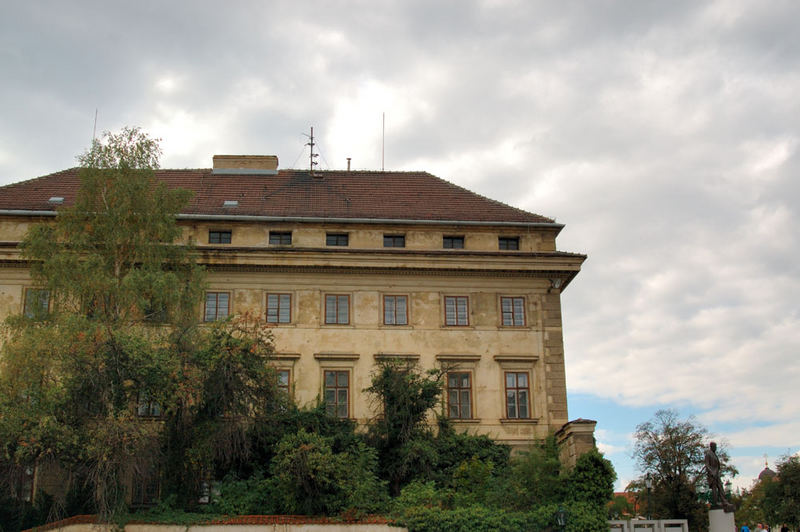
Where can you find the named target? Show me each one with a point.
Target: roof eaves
(401, 221)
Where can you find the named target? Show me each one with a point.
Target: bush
(308, 477)
(592, 479)
(581, 517)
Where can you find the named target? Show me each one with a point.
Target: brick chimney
(245, 164)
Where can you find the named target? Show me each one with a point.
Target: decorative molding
(454, 357)
(516, 358)
(396, 356)
(336, 356)
(286, 356)
(530, 421)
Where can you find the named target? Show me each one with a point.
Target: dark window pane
(219, 237)
(394, 241)
(336, 239)
(280, 238)
(510, 243)
(453, 242)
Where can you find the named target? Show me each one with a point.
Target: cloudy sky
(663, 134)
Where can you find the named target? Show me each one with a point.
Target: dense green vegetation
(120, 338)
(670, 452)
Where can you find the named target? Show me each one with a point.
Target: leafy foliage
(401, 434)
(592, 479)
(781, 500)
(309, 478)
(672, 452)
(122, 330)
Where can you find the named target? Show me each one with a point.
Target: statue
(715, 480)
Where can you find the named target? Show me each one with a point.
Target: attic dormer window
(229, 204)
(56, 200)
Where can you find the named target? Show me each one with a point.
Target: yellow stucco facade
(477, 292)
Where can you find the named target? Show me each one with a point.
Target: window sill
(337, 326)
(529, 421)
(473, 421)
(279, 325)
(395, 327)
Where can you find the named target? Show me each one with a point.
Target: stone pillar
(574, 439)
(554, 373)
(720, 521)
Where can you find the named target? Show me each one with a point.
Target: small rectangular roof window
(230, 203)
(57, 200)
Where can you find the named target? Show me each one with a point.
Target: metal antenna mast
(311, 162)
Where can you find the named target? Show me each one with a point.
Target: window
(283, 381)
(337, 309)
(517, 395)
(145, 490)
(155, 311)
(147, 406)
(37, 303)
(456, 310)
(337, 239)
(394, 241)
(280, 238)
(508, 242)
(395, 310)
(513, 311)
(217, 306)
(453, 242)
(279, 308)
(459, 395)
(337, 393)
(219, 237)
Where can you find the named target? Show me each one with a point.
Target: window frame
(333, 409)
(460, 390)
(394, 240)
(152, 408)
(145, 490)
(453, 240)
(513, 313)
(217, 317)
(504, 243)
(336, 239)
(280, 238)
(394, 304)
(42, 310)
(279, 296)
(220, 235)
(516, 389)
(456, 322)
(288, 387)
(337, 309)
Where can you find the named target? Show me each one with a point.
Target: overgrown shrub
(309, 478)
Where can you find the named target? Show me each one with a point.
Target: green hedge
(581, 517)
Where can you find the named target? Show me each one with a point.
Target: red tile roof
(296, 193)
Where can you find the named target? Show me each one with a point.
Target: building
(354, 267)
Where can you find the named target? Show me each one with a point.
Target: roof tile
(298, 193)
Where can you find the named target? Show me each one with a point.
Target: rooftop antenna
(311, 162)
(383, 141)
(94, 128)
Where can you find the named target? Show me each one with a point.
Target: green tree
(781, 500)
(121, 332)
(401, 433)
(672, 452)
(592, 479)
